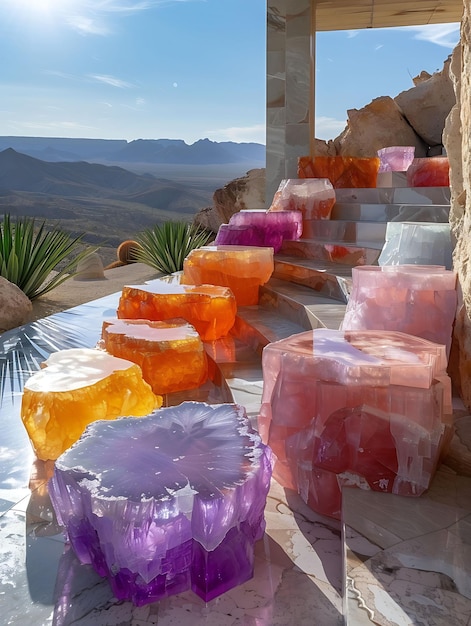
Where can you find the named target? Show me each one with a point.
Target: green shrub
(166, 246)
(30, 255)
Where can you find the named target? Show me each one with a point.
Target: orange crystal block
(342, 171)
(77, 387)
(242, 269)
(211, 309)
(170, 354)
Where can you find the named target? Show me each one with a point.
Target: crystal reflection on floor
(297, 575)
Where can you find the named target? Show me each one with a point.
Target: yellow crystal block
(211, 309)
(242, 269)
(77, 387)
(170, 354)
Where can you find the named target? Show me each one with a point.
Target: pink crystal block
(429, 172)
(242, 269)
(260, 228)
(369, 409)
(314, 197)
(395, 158)
(168, 502)
(419, 300)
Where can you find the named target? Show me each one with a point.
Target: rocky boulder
(247, 192)
(375, 126)
(427, 105)
(15, 307)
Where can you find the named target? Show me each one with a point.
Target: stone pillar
(290, 88)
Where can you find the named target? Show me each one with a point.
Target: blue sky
(182, 69)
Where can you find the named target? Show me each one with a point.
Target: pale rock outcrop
(460, 215)
(15, 306)
(247, 192)
(452, 140)
(90, 268)
(428, 103)
(375, 126)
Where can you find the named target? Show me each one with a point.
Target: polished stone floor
(392, 561)
(298, 570)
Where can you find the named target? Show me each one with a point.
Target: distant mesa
(170, 151)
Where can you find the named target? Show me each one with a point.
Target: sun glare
(39, 6)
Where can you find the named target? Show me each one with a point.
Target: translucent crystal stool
(168, 502)
(417, 243)
(75, 388)
(210, 308)
(260, 228)
(366, 409)
(429, 172)
(171, 354)
(419, 300)
(313, 197)
(395, 158)
(242, 269)
(342, 171)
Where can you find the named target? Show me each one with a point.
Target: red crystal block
(211, 309)
(366, 409)
(171, 354)
(429, 172)
(342, 171)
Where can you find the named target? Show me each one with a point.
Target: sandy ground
(75, 291)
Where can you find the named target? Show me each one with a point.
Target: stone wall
(458, 142)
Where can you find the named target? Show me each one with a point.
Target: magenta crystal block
(260, 228)
(167, 502)
(366, 409)
(419, 300)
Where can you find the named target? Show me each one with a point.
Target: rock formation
(247, 192)
(415, 117)
(15, 307)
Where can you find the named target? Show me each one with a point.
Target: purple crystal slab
(260, 228)
(167, 502)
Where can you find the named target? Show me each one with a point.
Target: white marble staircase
(405, 561)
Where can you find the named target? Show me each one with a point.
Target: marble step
(301, 305)
(346, 253)
(257, 326)
(385, 212)
(332, 280)
(395, 195)
(342, 230)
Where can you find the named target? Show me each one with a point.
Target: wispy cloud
(87, 26)
(112, 81)
(240, 134)
(89, 18)
(445, 35)
(328, 127)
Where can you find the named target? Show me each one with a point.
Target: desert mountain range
(112, 202)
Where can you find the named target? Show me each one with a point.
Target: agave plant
(166, 246)
(30, 254)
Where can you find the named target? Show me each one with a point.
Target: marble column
(290, 88)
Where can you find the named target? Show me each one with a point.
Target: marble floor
(298, 564)
(392, 561)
